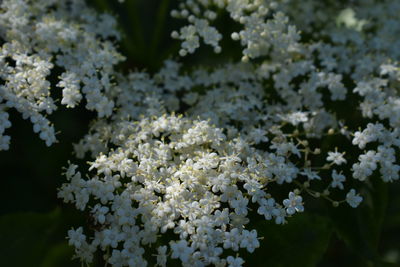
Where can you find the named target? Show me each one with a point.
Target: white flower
(360, 139)
(232, 239)
(258, 135)
(295, 118)
(76, 237)
(336, 157)
(181, 250)
(310, 174)
(71, 94)
(353, 199)
(266, 208)
(162, 256)
(249, 240)
(389, 171)
(239, 204)
(338, 180)
(293, 204)
(280, 215)
(100, 213)
(234, 262)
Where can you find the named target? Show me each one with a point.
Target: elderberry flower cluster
(267, 137)
(265, 29)
(44, 38)
(171, 174)
(314, 79)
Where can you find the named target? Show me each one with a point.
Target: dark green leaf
(360, 228)
(301, 242)
(24, 237)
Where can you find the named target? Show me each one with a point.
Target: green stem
(159, 27)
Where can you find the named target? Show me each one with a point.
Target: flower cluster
(43, 38)
(173, 174)
(265, 141)
(183, 186)
(265, 29)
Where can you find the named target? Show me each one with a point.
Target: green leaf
(360, 228)
(301, 242)
(58, 255)
(24, 237)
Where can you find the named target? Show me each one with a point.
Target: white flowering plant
(276, 147)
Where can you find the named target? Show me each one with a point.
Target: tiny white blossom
(353, 199)
(293, 203)
(234, 262)
(249, 240)
(76, 237)
(181, 250)
(338, 180)
(336, 157)
(162, 256)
